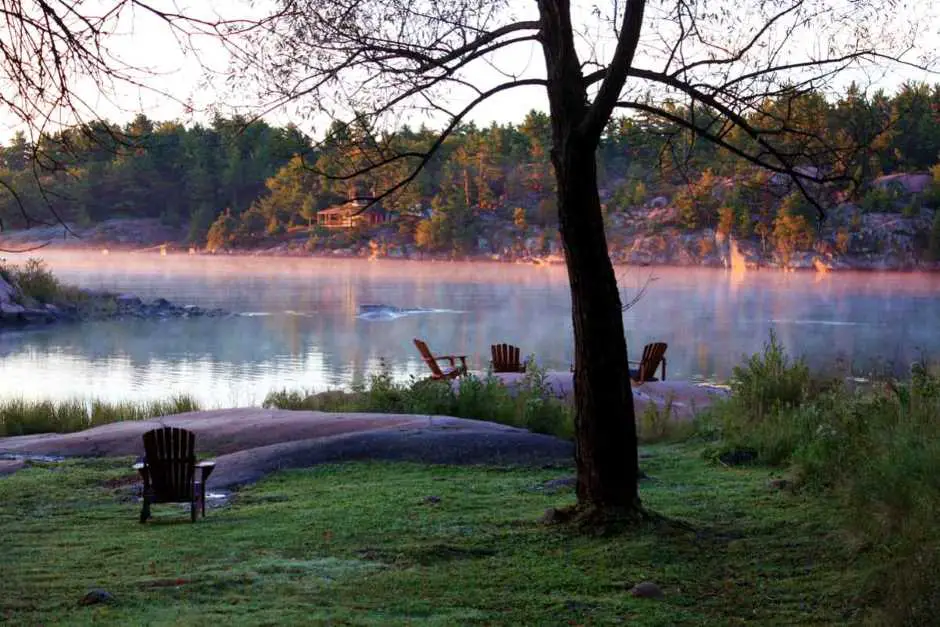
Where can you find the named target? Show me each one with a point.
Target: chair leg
(193, 509)
(202, 499)
(145, 510)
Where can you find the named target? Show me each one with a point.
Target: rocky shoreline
(92, 305)
(851, 240)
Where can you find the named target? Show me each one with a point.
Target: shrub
(933, 245)
(769, 379)
(875, 450)
(530, 404)
(659, 424)
(37, 283)
(880, 199)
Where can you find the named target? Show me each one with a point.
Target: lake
(299, 323)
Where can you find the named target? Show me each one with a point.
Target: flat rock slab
(435, 444)
(8, 466)
(685, 398)
(249, 443)
(218, 431)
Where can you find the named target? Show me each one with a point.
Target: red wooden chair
(653, 355)
(437, 372)
(506, 358)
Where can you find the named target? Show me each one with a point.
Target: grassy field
(852, 538)
(362, 544)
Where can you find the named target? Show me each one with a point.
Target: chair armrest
(139, 466)
(630, 361)
(206, 467)
(451, 357)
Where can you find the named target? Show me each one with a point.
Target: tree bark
(605, 426)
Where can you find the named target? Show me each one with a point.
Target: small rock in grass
(432, 499)
(96, 596)
(647, 590)
(553, 485)
(779, 484)
(551, 516)
(738, 457)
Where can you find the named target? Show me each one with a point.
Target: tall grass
(530, 404)
(21, 417)
(37, 283)
(875, 449)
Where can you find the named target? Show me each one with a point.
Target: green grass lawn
(361, 544)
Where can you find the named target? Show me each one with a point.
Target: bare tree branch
(617, 72)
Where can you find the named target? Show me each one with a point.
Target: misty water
(299, 323)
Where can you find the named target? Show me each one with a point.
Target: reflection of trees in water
(709, 321)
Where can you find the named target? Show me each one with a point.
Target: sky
(177, 90)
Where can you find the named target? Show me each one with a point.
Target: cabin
(351, 214)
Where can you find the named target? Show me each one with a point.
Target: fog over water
(301, 326)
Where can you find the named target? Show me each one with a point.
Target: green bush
(881, 199)
(37, 283)
(530, 404)
(659, 424)
(769, 380)
(874, 449)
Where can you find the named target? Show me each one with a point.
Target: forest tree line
(254, 179)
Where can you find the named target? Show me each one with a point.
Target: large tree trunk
(605, 426)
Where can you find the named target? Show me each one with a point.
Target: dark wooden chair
(169, 471)
(506, 358)
(437, 372)
(653, 355)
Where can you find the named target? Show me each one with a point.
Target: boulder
(96, 596)
(663, 215)
(647, 590)
(11, 309)
(127, 301)
(911, 183)
(7, 292)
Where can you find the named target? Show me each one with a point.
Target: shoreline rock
(850, 241)
(96, 305)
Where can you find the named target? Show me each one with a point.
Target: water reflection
(310, 335)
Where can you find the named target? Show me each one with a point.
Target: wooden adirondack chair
(169, 471)
(506, 358)
(437, 372)
(653, 354)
